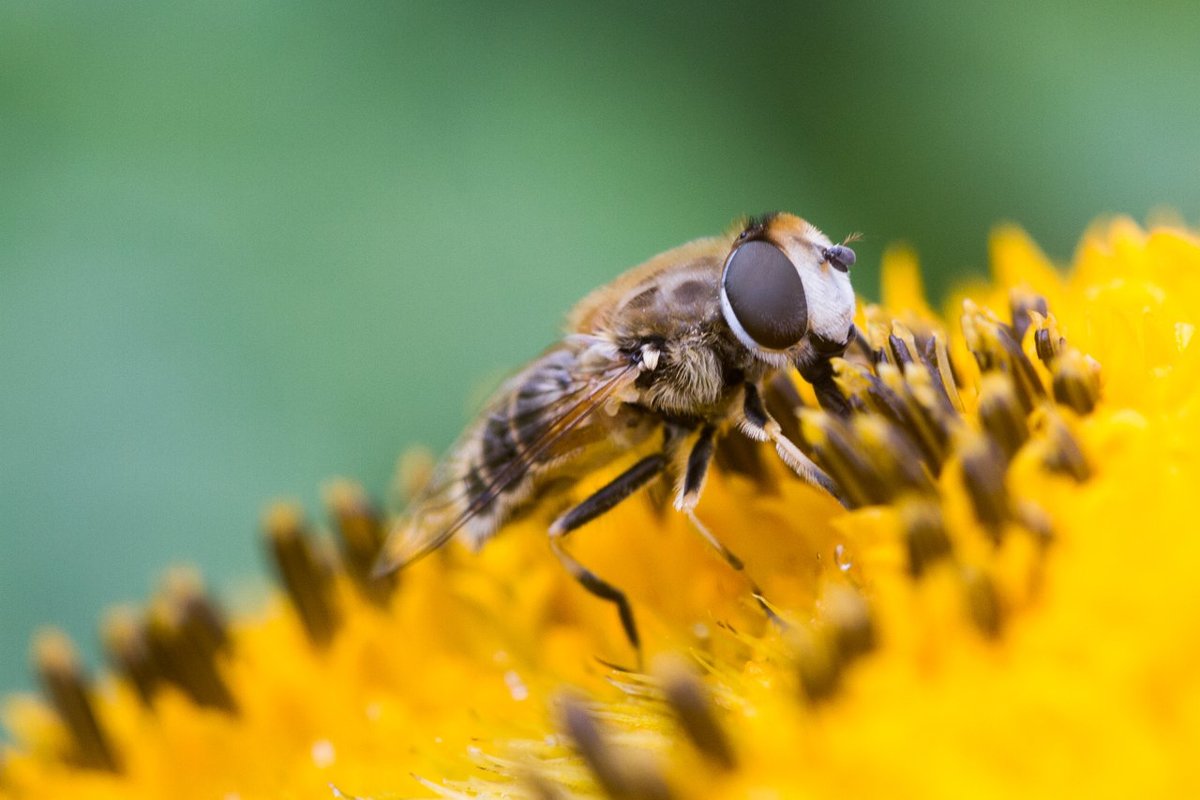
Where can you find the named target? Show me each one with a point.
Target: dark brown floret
(306, 578)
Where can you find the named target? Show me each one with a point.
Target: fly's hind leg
(603, 500)
(695, 471)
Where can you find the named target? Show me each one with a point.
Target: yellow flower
(1010, 607)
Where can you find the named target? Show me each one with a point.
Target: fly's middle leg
(696, 470)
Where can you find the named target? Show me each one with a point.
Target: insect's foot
(637, 669)
(769, 609)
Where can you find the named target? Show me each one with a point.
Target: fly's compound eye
(839, 257)
(764, 296)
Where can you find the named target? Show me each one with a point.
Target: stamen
(983, 468)
(1060, 450)
(932, 355)
(832, 443)
(928, 388)
(1000, 414)
(852, 379)
(879, 328)
(202, 621)
(816, 666)
(973, 322)
(539, 788)
(844, 633)
(184, 649)
(893, 455)
(1021, 303)
(65, 685)
(901, 355)
(621, 775)
(995, 349)
(909, 347)
(1025, 377)
(1075, 382)
(361, 535)
(1034, 519)
(849, 623)
(983, 602)
(929, 422)
(1047, 341)
(946, 375)
(306, 578)
(925, 534)
(125, 645)
(694, 710)
(866, 390)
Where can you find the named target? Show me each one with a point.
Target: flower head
(1008, 605)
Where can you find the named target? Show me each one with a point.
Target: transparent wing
(457, 494)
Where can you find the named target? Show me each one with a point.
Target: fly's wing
(528, 425)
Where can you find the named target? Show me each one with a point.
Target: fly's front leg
(601, 501)
(820, 375)
(814, 363)
(758, 424)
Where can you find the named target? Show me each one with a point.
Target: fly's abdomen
(522, 439)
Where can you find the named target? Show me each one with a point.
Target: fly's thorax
(671, 303)
(650, 287)
(687, 370)
(688, 378)
(670, 323)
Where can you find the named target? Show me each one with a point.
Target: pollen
(1004, 605)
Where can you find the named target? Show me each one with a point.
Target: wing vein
(395, 557)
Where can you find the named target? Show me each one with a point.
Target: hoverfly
(679, 348)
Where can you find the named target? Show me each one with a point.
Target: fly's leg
(694, 474)
(603, 500)
(815, 365)
(696, 469)
(820, 374)
(758, 424)
(859, 341)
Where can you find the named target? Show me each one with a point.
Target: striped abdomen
(520, 444)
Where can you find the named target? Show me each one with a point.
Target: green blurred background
(245, 247)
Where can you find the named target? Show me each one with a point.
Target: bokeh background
(245, 247)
